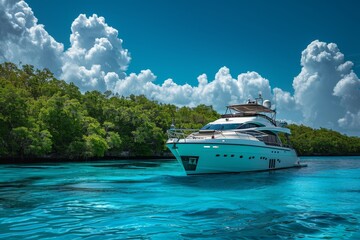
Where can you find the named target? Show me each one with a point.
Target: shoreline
(29, 160)
(18, 160)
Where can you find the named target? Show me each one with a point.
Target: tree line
(41, 116)
(325, 142)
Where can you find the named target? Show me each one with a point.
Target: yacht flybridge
(246, 138)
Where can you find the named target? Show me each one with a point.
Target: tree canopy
(41, 116)
(308, 141)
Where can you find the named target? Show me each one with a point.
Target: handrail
(180, 133)
(184, 133)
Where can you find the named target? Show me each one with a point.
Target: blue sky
(183, 39)
(302, 55)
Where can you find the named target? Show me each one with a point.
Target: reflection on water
(154, 200)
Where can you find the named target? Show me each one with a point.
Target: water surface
(154, 200)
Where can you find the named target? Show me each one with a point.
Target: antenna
(259, 100)
(275, 101)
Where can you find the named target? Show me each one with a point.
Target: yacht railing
(175, 134)
(179, 133)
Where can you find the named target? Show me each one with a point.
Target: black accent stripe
(233, 144)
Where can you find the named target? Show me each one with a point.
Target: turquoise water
(154, 200)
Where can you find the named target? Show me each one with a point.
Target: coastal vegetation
(308, 141)
(43, 117)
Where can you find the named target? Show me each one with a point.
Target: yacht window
(230, 126)
(221, 126)
(249, 125)
(211, 127)
(271, 139)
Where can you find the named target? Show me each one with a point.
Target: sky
(302, 55)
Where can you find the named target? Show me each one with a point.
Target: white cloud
(348, 89)
(350, 121)
(221, 91)
(96, 58)
(134, 83)
(22, 39)
(286, 108)
(225, 89)
(283, 99)
(327, 90)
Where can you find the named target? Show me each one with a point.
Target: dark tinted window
(221, 126)
(249, 125)
(212, 127)
(230, 126)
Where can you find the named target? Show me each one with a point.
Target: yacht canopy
(251, 108)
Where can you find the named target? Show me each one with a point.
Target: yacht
(246, 138)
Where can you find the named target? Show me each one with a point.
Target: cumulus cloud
(327, 91)
(135, 83)
(22, 39)
(350, 121)
(96, 58)
(221, 91)
(285, 106)
(348, 89)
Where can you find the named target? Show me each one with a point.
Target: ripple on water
(272, 224)
(144, 200)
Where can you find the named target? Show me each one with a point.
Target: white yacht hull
(202, 157)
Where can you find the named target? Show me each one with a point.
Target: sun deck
(250, 110)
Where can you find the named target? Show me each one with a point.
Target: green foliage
(41, 115)
(63, 117)
(308, 141)
(30, 142)
(13, 105)
(114, 141)
(76, 150)
(96, 146)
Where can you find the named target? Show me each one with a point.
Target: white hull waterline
(242, 142)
